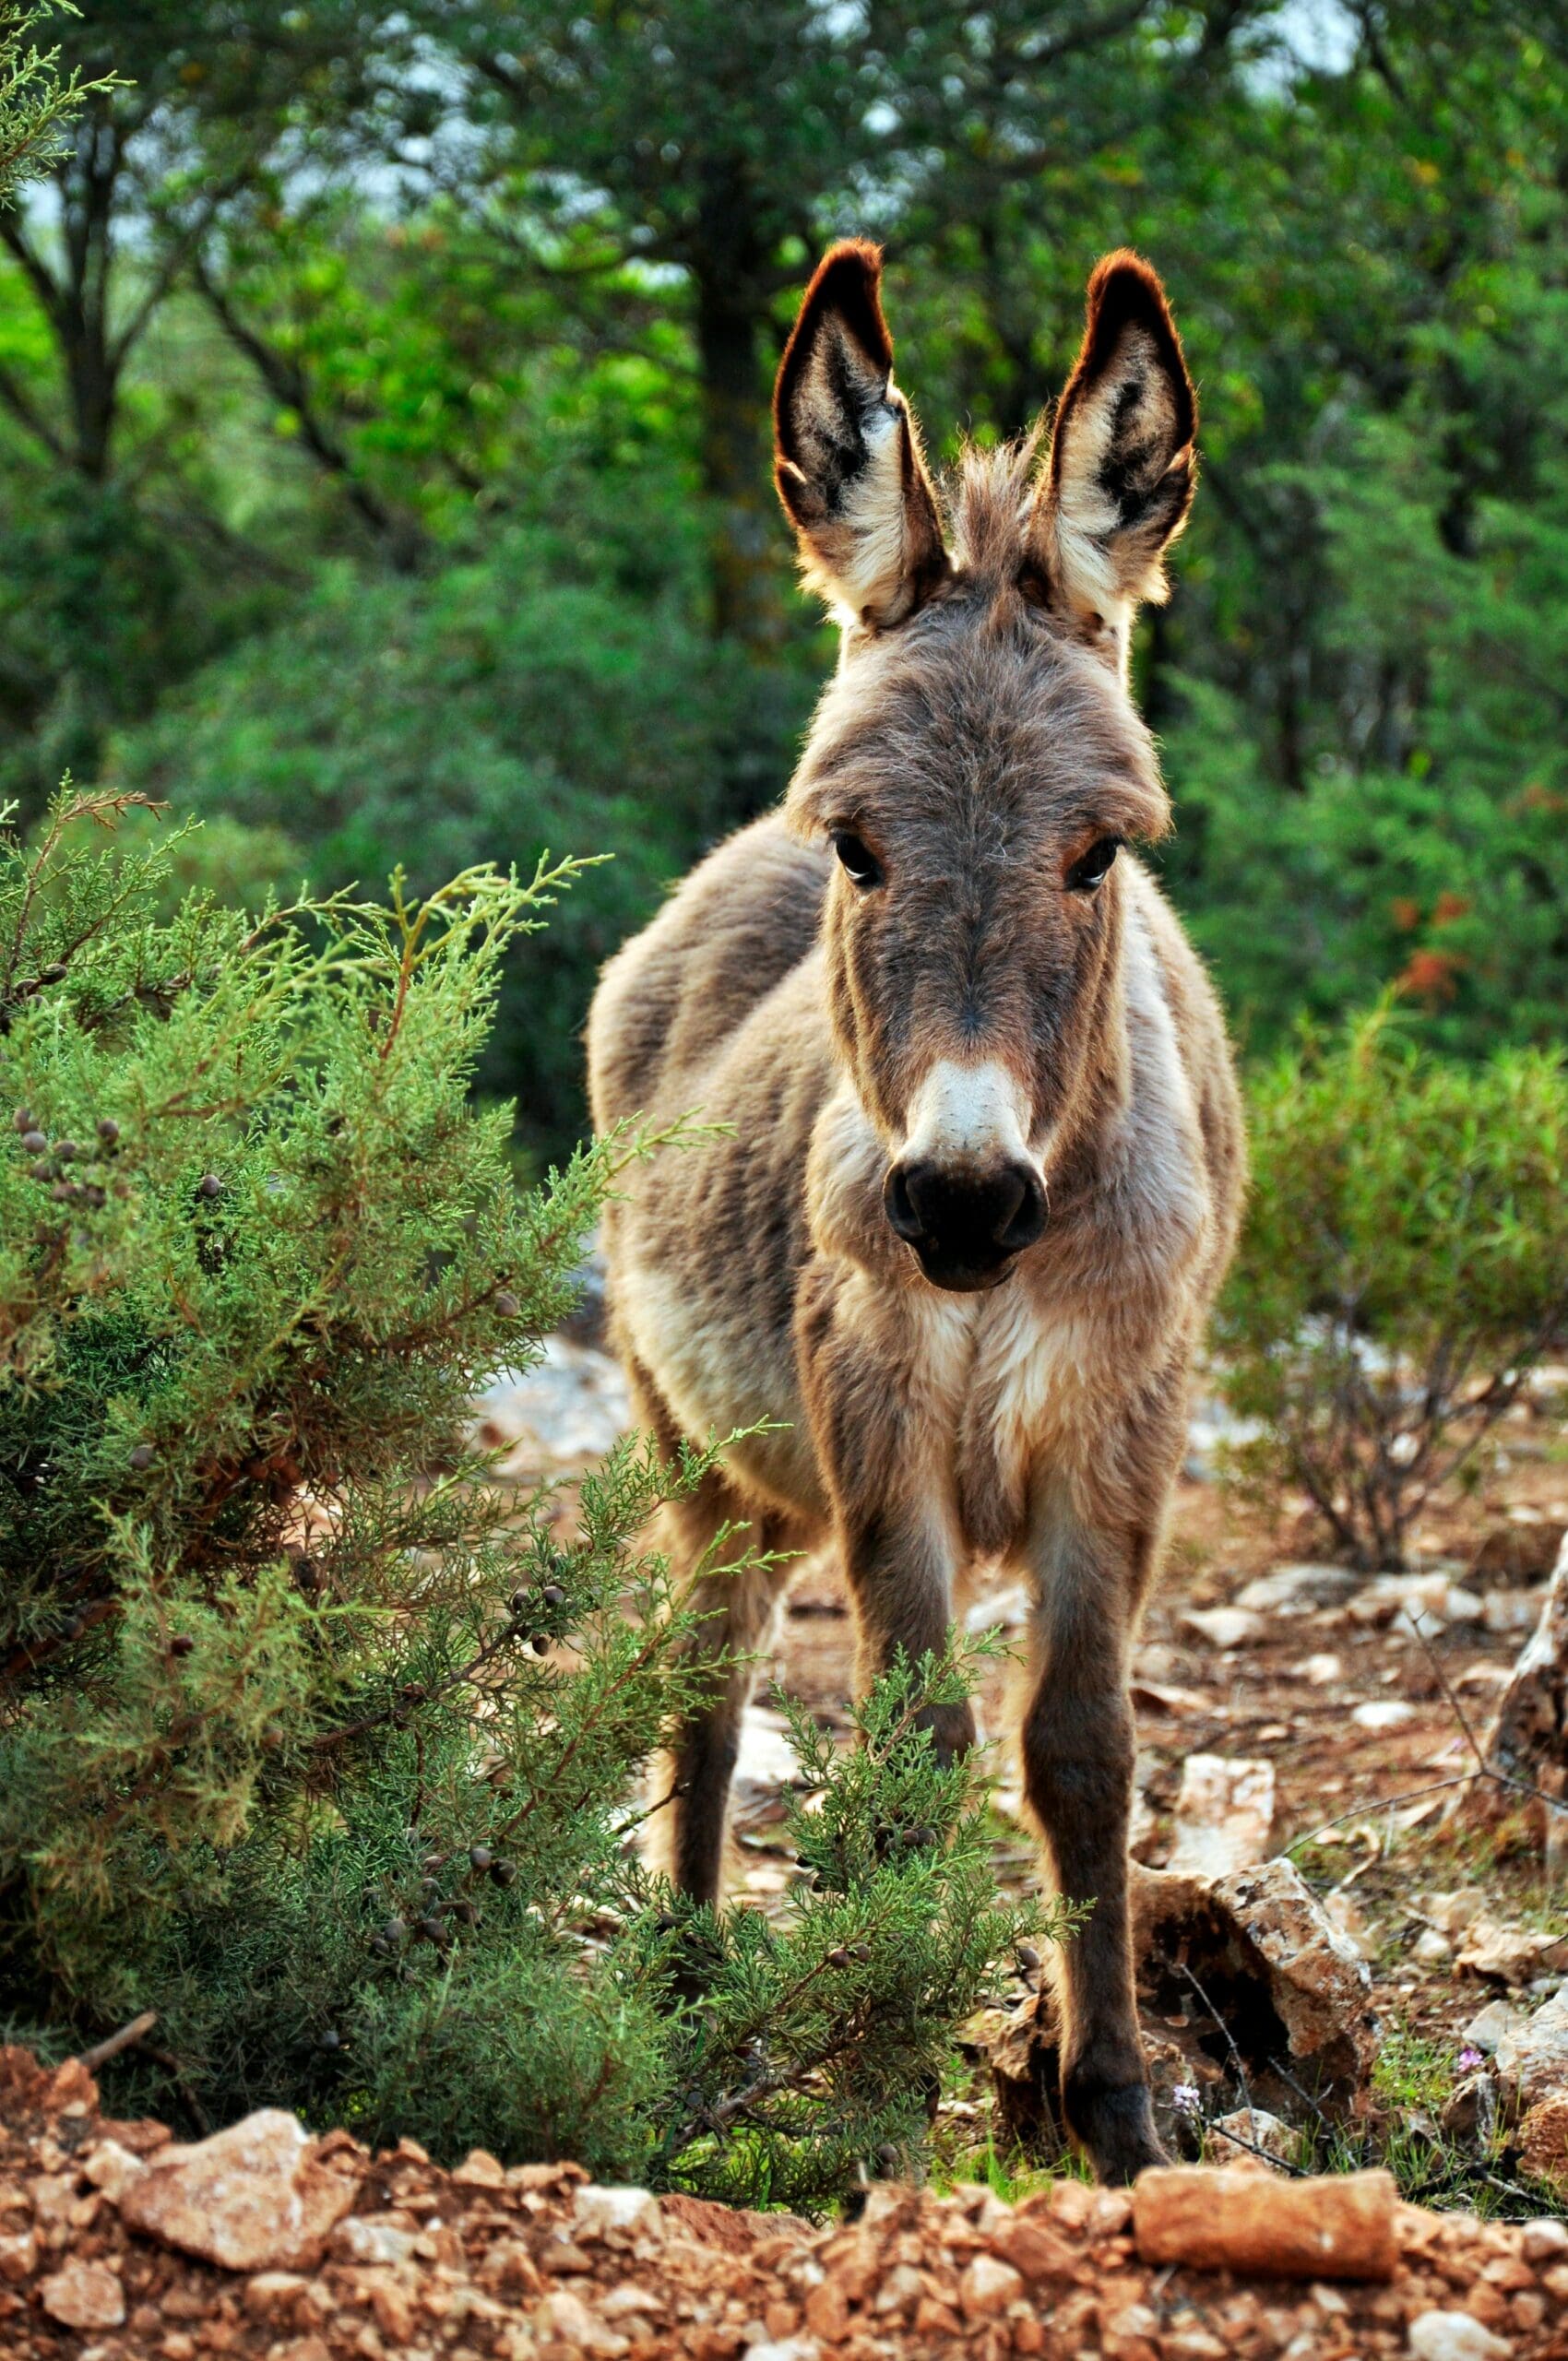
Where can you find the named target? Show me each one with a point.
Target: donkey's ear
(847, 452)
(1122, 460)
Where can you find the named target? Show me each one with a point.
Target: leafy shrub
(313, 1739)
(1404, 1264)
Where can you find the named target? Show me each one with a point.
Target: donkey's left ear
(1123, 461)
(847, 454)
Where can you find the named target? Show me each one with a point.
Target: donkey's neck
(1094, 1130)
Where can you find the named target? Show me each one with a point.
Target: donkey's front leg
(1078, 1760)
(879, 1429)
(899, 1560)
(735, 1610)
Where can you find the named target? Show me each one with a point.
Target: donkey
(983, 1158)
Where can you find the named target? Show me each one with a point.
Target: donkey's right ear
(846, 454)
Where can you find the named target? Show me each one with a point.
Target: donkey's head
(978, 763)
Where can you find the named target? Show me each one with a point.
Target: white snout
(968, 1114)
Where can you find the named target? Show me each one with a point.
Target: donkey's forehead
(965, 705)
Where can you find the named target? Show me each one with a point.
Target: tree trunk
(1528, 1738)
(728, 257)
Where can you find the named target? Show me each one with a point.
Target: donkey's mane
(988, 496)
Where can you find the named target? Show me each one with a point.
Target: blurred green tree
(506, 276)
(723, 140)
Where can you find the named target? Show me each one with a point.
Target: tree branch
(285, 380)
(21, 407)
(46, 286)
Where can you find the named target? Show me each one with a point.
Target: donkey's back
(673, 999)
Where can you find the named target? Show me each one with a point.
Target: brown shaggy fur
(913, 1069)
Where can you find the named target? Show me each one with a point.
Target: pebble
(255, 2197)
(1383, 1714)
(1544, 2241)
(1454, 2336)
(987, 2286)
(83, 2295)
(600, 2210)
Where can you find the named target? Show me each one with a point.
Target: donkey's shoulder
(729, 935)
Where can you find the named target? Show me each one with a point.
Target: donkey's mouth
(958, 1277)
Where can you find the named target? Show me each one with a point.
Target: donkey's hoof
(1115, 2129)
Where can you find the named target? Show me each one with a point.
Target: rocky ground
(115, 2243)
(1322, 1942)
(1336, 1974)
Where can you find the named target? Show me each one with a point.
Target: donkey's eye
(1091, 867)
(860, 864)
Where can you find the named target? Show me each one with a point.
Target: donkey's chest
(1011, 1390)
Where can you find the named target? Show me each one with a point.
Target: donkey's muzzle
(964, 1226)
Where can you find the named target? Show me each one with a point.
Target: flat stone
(1226, 1627)
(1452, 1911)
(364, 2238)
(1033, 2248)
(987, 2286)
(1532, 2058)
(567, 2319)
(1512, 1612)
(112, 2168)
(1427, 1603)
(1224, 1815)
(1339, 2226)
(1512, 1954)
(1300, 1588)
(1491, 2025)
(257, 2197)
(1269, 2146)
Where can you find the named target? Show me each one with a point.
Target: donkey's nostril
(1026, 1220)
(899, 1207)
(964, 1226)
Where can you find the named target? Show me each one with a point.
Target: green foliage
(823, 2042)
(482, 303)
(492, 706)
(313, 1738)
(1403, 1266)
(35, 104)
